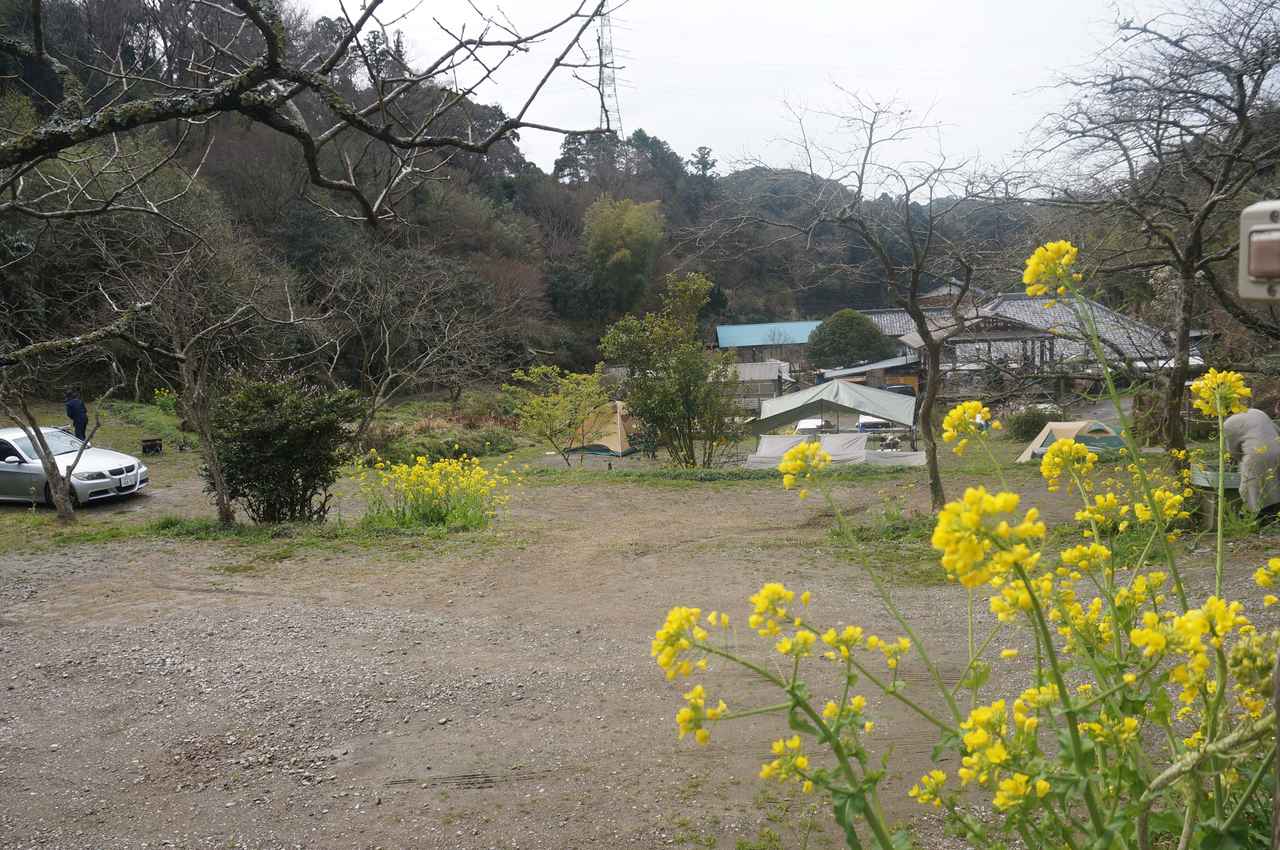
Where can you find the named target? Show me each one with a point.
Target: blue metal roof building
(766, 333)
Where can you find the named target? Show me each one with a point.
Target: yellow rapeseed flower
(1220, 393)
(981, 539)
(964, 421)
(1065, 457)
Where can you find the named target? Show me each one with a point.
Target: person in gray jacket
(1254, 443)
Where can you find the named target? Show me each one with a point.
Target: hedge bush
(281, 444)
(1024, 424)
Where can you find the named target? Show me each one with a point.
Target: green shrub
(165, 399)
(1026, 423)
(280, 445)
(400, 443)
(491, 405)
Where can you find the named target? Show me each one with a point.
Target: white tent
(832, 399)
(771, 448)
(843, 448)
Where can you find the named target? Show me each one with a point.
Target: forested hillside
(468, 259)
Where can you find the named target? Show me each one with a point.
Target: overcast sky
(718, 72)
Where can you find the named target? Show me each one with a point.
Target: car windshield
(60, 443)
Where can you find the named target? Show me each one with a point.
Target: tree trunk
(195, 399)
(1175, 432)
(933, 382)
(60, 493)
(217, 481)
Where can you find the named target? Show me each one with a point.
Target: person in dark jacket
(77, 413)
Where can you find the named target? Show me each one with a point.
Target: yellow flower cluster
(674, 642)
(1050, 267)
(1014, 790)
(790, 763)
(964, 421)
(1252, 662)
(1265, 576)
(691, 717)
(1029, 704)
(981, 540)
(889, 649)
(1107, 513)
(1171, 506)
(928, 790)
(1220, 393)
(769, 605)
(1015, 597)
(1187, 635)
(802, 462)
(1066, 457)
(1086, 557)
(841, 642)
(834, 713)
(983, 736)
(452, 492)
(797, 645)
(1110, 732)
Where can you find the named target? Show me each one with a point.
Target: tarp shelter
(832, 401)
(843, 448)
(605, 432)
(1090, 432)
(771, 448)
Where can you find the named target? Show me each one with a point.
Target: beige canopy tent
(1088, 431)
(833, 401)
(605, 433)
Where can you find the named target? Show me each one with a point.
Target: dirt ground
(482, 691)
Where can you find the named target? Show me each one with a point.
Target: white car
(100, 474)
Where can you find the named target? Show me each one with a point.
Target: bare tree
(903, 214)
(345, 93)
(404, 320)
(24, 368)
(1165, 143)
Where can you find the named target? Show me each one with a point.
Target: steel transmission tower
(610, 113)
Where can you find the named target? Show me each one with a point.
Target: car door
(17, 479)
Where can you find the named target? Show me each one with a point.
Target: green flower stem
(1073, 729)
(754, 668)
(1221, 505)
(873, 816)
(1252, 787)
(753, 712)
(1063, 829)
(882, 592)
(973, 692)
(982, 650)
(995, 464)
(907, 701)
(1214, 715)
(966, 821)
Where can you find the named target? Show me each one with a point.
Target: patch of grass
(676, 475)
(32, 532)
(234, 569)
(154, 421)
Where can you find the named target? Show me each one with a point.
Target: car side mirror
(13, 459)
